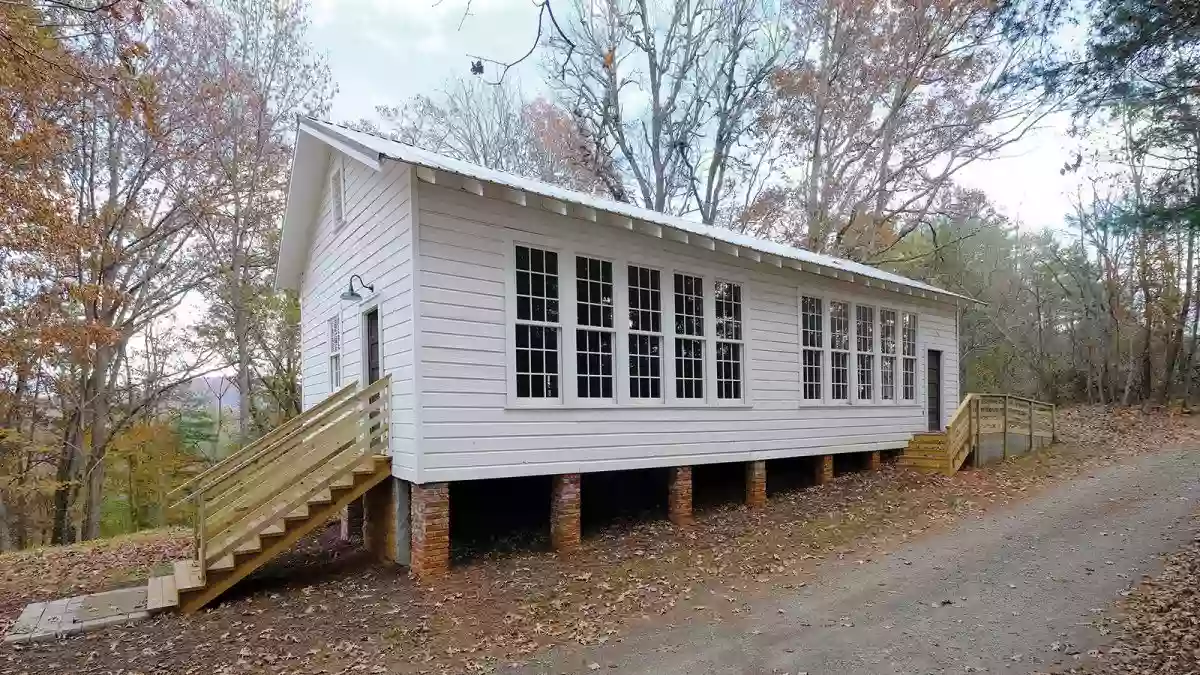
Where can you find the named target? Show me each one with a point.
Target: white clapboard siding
(468, 429)
(374, 241)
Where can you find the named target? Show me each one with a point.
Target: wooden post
(978, 427)
(1031, 426)
(1053, 423)
(1004, 448)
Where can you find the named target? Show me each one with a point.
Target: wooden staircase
(259, 501)
(977, 417)
(927, 452)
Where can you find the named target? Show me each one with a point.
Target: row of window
(849, 352)
(880, 336)
(650, 341)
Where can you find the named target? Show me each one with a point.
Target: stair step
(276, 529)
(223, 565)
(321, 497)
(187, 576)
(300, 513)
(343, 482)
(161, 593)
(251, 545)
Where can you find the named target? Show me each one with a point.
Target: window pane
(689, 305)
(537, 285)
(645, 304)
(645, 366)
(909, 333)
(812, 374)
(839, 376)
(729, 370)
(887, 377)
(537, 361)
(811, 320)
(865, 328)
(593, 360)
(594, 291)
(729, 310)
(866, 367)
(839, 325)
(887, 331)
(689, 368)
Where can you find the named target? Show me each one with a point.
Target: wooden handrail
(330, 452)
(324, 414)
(268, 437)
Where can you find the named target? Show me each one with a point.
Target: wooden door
(933, 389)
(372, 328)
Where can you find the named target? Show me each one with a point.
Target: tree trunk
(1176, 341)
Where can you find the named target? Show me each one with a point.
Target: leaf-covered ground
(1159, 630)
(57, 571)
(325, 608)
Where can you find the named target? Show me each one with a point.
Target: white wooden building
(531, 330)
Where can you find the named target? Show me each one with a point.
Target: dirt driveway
(1017, 590)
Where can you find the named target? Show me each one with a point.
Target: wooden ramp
(982, 421)
(260, 501)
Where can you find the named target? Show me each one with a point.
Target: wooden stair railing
(980, 415)
(262, 498)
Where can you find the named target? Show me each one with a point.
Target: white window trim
(666, 350)
(565, 291)
(743, 325)
(572, 395)
(829, 350)
(877, 399)
(568, 398)
(880, 355)
(918, 361)
(874, 354)
(333, 326)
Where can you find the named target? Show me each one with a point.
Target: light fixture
(353, 295)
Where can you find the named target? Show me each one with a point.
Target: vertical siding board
(467, 429)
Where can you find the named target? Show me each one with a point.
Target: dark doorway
(933, 389)
(371, 321)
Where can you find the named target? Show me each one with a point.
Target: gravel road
(1014, 591)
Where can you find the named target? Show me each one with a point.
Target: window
(594, 337)
(337, 191)
(645, 333)
(887, 350)
(729, 339)
(864, 325)
(908, 341)
(689, 341)
(812, 344)
(335, 352)
(839, 351)
(537, 327)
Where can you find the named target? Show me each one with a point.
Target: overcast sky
(384, 51)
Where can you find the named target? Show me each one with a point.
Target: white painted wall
(375, 241)
(468, 429)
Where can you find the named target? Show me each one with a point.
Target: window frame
(576, 327)
(873, 353)
(666, 350)
(567, 251)
(334, 337)
(741, 341)
(566, 338)
(853, 302)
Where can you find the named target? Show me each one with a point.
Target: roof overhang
(315, 138)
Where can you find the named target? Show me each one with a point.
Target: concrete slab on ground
(80, 614)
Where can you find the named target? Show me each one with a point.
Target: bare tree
(667, 88)
(878, 109)
(272, 75)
